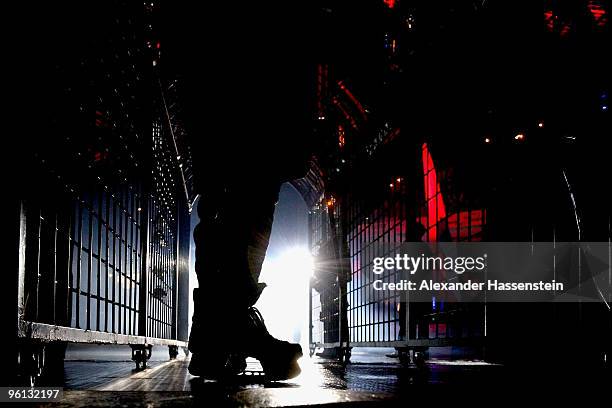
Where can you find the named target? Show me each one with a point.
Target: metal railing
(372, 219)
(103, 208)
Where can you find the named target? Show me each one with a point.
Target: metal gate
(372, 218)
(103, 211)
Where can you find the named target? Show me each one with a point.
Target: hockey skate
(247, 336)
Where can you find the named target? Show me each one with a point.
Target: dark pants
(231, 242)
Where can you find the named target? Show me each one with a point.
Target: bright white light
(284, 302)
(296, 261)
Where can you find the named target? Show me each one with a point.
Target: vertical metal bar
(469, 223)
(21, 271)
(177, 270)
(89, 265)
(162, 284)
(107, 257)
(163, 317)
(166, 278)
(39, 237)
(144, 267)
(135, 269)
(127, 264)
(174, 264)
(99, 250)
(167, 282)
(70, 242)
(158, 268)
(163, 255)
(159, 283)
(407, 317)
(171, 286)
(174, 304)
(139, 263)
(119, 268)
(182, 295)
(54, 298)
(125, 278)
(310, 326)
(115, 266)
(123, 263)
(79, 271)
(154, 268)
(131, 262)
(134, 266)
(135, 260)
(155, 277)
(135, 255)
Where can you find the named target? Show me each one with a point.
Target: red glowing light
(101, 120)
(433, 196)
(352, 97)
(341, 136)
(598, 12)
(565, 30)
(549, 18)
(345, 112)
(390, 3)
(466, 224)
(100, 156)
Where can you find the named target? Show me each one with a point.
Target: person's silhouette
(245, 88)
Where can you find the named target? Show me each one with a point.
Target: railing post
(144, 272)
(182, 270)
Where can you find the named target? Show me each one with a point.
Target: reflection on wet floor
(370, 378)
(321, 382)
(369, 371)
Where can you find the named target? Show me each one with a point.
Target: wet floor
(372, 378)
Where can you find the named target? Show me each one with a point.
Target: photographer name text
(469, 285)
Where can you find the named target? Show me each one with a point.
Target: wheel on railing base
(30, 360)
(413, 357)
(141, 353)
(173, 352)
(403, 355)
(344, 354)
(41, 364)
(420, 358)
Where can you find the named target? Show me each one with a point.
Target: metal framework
(103, 234)
(371, 220)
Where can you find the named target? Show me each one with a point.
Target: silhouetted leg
(231, 242)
